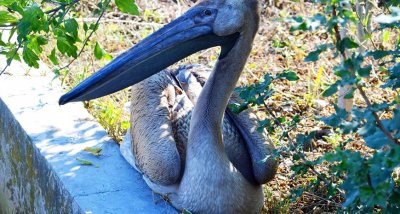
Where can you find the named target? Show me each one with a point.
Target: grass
(276, 49)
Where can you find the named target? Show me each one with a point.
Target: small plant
(274, 204)
(313, 88)
(363, 180)
(111, 118)
(93, 150)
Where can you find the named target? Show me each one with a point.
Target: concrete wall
(27, 182)
(40, 142)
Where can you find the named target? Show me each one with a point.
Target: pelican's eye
(207, 12)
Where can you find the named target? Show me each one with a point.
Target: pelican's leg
(152, 137)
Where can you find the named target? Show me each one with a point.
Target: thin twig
(62, 5)
(336, 29)
(321, 198)
(12, 57)
(8, 25)
(375, 115)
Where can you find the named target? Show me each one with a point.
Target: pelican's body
(205, 174)
(159, 135)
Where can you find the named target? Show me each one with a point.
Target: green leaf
(53, 57)
(11, 55)
(71, 27)
(84, 162)
(65, 47)
(289, 75)
(6, 18)
(2, 43)
(127, 6)
(314, 55)
(386, 36)
(330, 90)
(365, 72)
(93, 27)
(379, 54)
(107, 56)
(98, 51)
(36, 43)
(340, 72)
(85, 27)
(185, 211)
(301, 27)
(346, 43)
(376, 140)
(280, 44)
(351, 197)
(350, 94)
(30, 57)
(93, 150)
(6, 2)
(237, 108)
(264, 123)
(125, 125)
(32, 20)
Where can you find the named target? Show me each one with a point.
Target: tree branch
(51, 11)
(90, 35)
(336, 28)
(376, 117)
(11, 58)
(62, 5)
(363, 94)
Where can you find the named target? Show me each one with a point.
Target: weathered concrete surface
(39, 144)
(27, 182)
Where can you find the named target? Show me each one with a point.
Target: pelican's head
(207, 24)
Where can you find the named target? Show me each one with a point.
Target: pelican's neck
(205, 128)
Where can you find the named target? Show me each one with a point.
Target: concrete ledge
(39, 144)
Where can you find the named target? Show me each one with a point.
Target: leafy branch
(363, 94)
(256, 95)
(36, 27)
(378, 121)
(96, 25)
(10, 59)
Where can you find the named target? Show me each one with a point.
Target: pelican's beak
(186, 35)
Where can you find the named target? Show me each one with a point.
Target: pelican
(206, 174)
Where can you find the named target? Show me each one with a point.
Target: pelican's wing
(259, 146)
(152, 135)
(167, 191)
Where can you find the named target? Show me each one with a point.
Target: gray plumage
(161, 109)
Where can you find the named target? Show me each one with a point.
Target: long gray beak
(186, 35)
